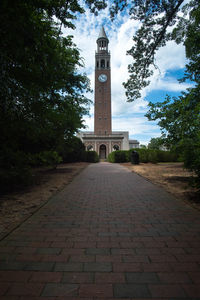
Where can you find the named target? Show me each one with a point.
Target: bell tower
(102, 106)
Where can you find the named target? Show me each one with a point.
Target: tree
(42, 98)
(161, 21)
(155, 143)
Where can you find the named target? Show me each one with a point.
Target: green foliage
(119, 156)
(14, 169)
(73, 150)
(92, 156)
(191, 157)
(160, 21)
(47, 158)
(42, 98)
(155, 156)
(179, 118)
(145, 156)
(156, 143)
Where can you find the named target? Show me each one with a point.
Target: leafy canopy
(42, 92)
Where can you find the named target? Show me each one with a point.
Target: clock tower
(102, 105)
(103, 140)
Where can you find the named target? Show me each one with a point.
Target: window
(116, 147)
(103, 63)
(89, 148)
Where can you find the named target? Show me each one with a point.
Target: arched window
(116, 147)
(103, 63)
(107, 64)
(89, 148)
(97, 64)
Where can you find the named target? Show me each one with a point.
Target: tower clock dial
(102, 78)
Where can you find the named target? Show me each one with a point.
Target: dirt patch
(17, 207)
(172, 177)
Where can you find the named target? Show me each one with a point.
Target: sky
(127, 116)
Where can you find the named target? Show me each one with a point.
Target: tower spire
(102, 33)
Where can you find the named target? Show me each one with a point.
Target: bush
(191, 157)
(119, 156)
(73, 150)
(145, 156)
(155, 156)
(91, 156)
(47, 158)
(14, 170)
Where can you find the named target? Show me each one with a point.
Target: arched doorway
(102, 152)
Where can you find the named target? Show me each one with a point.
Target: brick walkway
(109, 234)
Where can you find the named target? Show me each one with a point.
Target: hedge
(91, 156)
(145, 156)
(119, 156)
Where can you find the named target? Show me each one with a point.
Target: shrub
(119, 156)
(92, 156)
(47, 158)
(73, 150)
(14, 170)
(155, 156)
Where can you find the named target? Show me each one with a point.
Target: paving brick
(174, 277)
(4, 249)
(98, 267)
(13, 265)
(185, 267)
(75, 277)
(115, 251)
(39, 266)
(25, 289)
(109, 231)
(25, 250)
(162, 258)
(170, 290)
(29, 257)
(73, 252)
(192, 290)
(188, 257)
(65, 245)
(109, 277)
(16, 276)
(3, 288)
(131, 291)
(108, 258)
(82, 258)
(140, 277)
(54, 258)
(156, 267)
(100, 251)
(46, 277)
(60, 289)
(80, 245)
(13, 298)
(127, 267)
(195, 276)
(96, 290)
(67, 267)
(48, 251)
(135, 258)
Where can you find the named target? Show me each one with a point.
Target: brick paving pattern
(110, 234)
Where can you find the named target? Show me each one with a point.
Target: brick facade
(103, 140)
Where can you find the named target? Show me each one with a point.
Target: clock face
(102, 78)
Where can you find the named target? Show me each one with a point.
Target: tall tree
(161, 21)
(42, 92)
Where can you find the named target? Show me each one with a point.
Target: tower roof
(102, 33)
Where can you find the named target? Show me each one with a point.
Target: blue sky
(128, 116)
